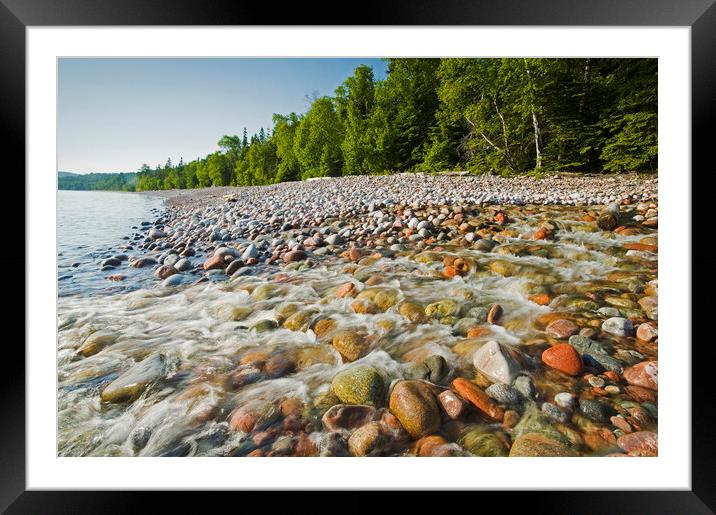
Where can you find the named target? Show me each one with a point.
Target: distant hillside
(97, 181)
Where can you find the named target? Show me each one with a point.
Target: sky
(114, 114)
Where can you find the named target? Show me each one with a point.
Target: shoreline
(399, 316)
(232, 228)
(568, 185)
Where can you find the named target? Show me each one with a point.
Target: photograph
(357, 257)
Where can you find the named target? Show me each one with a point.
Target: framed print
(431, 234)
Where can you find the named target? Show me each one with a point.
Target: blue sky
(115, 114)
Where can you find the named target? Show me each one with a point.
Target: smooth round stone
(415, 406)
(183, 265)
(155, 234)
(554, 412)
(562, 328)
(111, 262)
(603, 362)
(250, 252)
(596, 381)
(495, 361)
(609, 311)
(584, 345)
(132, 383)
(504, 394)
(595, 410)
(173, 280)
(618, 326)
(171, 259)
(537, 445)
(359, 385)
(565, 400)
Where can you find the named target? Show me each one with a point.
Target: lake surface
(90, 227)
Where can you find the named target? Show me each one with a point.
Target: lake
(90, 226)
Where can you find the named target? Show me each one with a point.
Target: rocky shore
(424, 315)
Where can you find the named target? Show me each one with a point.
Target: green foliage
(317, 143)
(97, 181)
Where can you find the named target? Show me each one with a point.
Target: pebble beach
(398, 315)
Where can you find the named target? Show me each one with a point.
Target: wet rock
(641, 394)
(453, 405)
(473, 394)
(183, 265)
(294, 256)
(646, 332)
(215, 263)
(554, 412)
(441, 309)
(641, 443)
(495, 314)
(279, 366)
(95, 342)
(534, 421)
(595, 410)
(250, 252)
(266, 291)
(165, 271)
(603, 361)
(564, 358)
(333, 444)
(324, 326)
(414, 405)
(360, 384)
(299, 321)
(264, 325)
(479, 443)
(618, 326)
(234, 266)
(504, 394)
(413, 312)
(343, 417)
(173, 280)
(437, 368)
(385, 299)
(536, 445)
(156, 234)
(142, 262)
(644, 374)
(366, 440)
(132, 383)
(111, 262)
(565, 400)
(346, 290)
(495, 361)
(585, 345)
(562, 329)
(429, 446)
(350, 344)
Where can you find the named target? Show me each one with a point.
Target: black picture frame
(17, 15)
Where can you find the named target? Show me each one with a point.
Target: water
(218, 352)
(90, 227)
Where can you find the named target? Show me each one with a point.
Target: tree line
(504, 116)
(97, 181)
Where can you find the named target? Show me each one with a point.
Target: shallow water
(203, 331)
(90, 225)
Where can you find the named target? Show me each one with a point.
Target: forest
(97, 181)
(502, 116)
